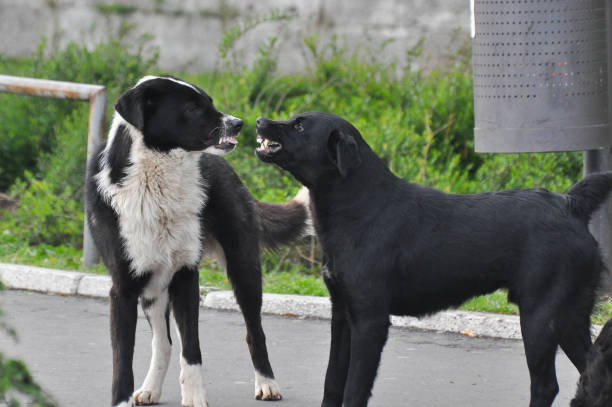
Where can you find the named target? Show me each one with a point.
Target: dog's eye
(193, 109)
(298, 127)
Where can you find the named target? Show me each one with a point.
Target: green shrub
(42, 216)
(15, 378)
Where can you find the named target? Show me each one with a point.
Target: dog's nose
(260, 121)
(237, 124)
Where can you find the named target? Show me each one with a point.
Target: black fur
(595, 385)
(118, 155)
(586, 196)
(171, 116)
(395, 247)
(281, 222)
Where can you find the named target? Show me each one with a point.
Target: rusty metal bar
(96, 96)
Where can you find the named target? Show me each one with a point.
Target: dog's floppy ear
(343, 152)
(131, 107)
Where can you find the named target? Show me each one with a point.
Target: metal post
(601, 160)
(96, 96)
(95, 135)
(601, 225)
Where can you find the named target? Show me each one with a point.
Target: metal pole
(601, 222)
(96, 96)
(601, 160)
(95, 135)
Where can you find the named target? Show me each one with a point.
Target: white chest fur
(158, 204)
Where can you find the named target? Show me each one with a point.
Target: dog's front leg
(339, 354)
(123, 316)
(156, 309)
(368, 337)
(185, 299)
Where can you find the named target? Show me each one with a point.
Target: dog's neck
(126, 159)
(334, 198)
(126, 147)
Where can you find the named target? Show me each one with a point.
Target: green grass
(43, 255)
(603, 312)
(281, 282)
(495, 302)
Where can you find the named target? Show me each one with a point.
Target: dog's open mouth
(267, 146)
(227, 143)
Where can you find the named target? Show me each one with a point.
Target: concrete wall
(188, 32)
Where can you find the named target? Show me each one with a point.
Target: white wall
(188, 32)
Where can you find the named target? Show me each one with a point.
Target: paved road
(65, 342)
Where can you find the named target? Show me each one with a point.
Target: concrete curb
(469, 323)
(62, 282)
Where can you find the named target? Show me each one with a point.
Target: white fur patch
(213, 149)
(158, 203)
(129, 403)
(303, 197)
(216, 151)
(180, 82)
(151, 389)
(228, 117)
(266, 388)
(192, 385)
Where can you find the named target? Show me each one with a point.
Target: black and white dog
(595, 385)
(394, 247)
(157, 203)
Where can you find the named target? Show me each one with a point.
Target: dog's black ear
(131, 107)
(343, 152)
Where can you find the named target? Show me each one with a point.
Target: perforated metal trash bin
(540, 75)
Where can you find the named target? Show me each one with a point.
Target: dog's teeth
(259, 139)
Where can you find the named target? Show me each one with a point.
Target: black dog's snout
(261, 122)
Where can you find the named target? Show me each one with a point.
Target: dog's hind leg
(243, 270)
(576, 317)
(576, 342)
(123, 316)
(157, 311)
(184, 293)
(540, 343)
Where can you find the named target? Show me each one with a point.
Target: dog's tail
(281, 223)
(588, 194)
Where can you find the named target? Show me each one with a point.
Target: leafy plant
(42, 216)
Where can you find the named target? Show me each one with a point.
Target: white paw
(192, 386)
(266, 388)
(128, 403)
(145, 397)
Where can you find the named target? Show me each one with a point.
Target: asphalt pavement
(65, 342)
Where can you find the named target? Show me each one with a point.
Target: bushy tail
(284, 222)
(585, 196)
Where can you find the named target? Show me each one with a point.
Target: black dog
(595, 385)
(394, 247)
(157, 203)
